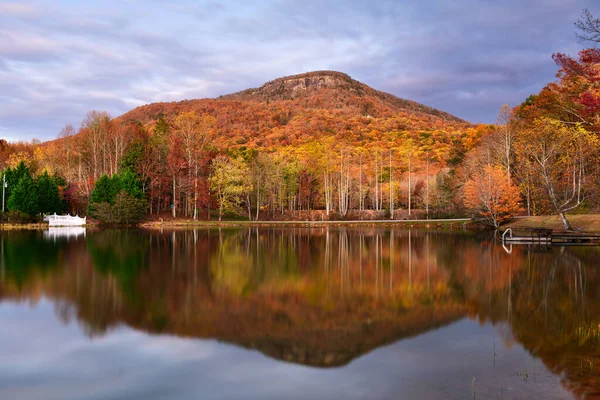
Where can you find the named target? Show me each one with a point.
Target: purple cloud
(60, 59)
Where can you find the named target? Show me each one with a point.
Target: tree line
(540, 157)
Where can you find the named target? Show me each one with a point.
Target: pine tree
(105, 189)
(13, 176)
(25, 197)
(130, 184)
(49, 197)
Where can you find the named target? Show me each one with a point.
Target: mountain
(294, 109)
(339, 88)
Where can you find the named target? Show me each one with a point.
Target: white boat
(64, 220)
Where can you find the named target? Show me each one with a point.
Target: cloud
(18, 10)
(60, 59)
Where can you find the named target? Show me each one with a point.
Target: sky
(60, 59)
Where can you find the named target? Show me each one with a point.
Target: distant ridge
(293, 110)
(307, 84)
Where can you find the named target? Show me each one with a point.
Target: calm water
(295, 313)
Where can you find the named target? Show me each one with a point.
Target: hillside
(293, 109)
(339, 89)
(290, 138)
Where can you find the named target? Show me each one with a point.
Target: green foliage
(118, 200)
(25, 255)
(134, 156)
(105, 189)
(29, 196)
(49, 197)
(13, 176)
(243, 153)
(102, 212)
(128, 209)
(130, 184)
(122, 254)
(125, 209)
(162, 127)
(25, 197)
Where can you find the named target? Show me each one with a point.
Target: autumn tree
(176, 163)
(266, 176)
(229, 181)
(195, 132)
(504, 138)
(119, 137)
(344, 182)
(95, 129)
(66, 151)
(410, 152)
(559, 157)
(492, 196)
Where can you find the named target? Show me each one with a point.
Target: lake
(295, 313)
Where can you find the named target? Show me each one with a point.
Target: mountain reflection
(319, 297)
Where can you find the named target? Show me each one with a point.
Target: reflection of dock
(64, 233)
(549, 237)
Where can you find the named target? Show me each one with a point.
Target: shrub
(125, 209)
(17, 217)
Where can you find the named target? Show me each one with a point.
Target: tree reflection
(317, 296)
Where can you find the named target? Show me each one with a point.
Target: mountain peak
(288, 87)
(309, 93)
(333, 89)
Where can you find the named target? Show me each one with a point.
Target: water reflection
(319, 297)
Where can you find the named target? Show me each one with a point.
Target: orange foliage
(492, 195)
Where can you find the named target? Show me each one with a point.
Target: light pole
(4, 185)
(3, 190)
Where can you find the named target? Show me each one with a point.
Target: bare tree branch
(589, 27)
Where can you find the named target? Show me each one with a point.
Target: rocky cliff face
(315, 80)
(297, 85)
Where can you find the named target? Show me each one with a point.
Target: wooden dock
(549, 237)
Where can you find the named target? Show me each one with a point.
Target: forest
(322, 146)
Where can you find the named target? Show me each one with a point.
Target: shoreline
(452, 222)
(449, 223)
(582, 222)
(589, 223)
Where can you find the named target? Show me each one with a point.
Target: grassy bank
(32, 226)
(582, 222)
(187, 223)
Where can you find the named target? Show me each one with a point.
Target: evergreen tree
(24, 197)
(118, 200)
(130, 184)
(134, 156)
(49, 197)
(106, 189)
(13, 176)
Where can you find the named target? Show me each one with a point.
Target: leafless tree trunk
(391, 189)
